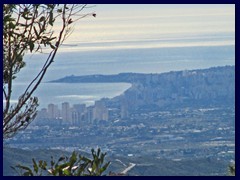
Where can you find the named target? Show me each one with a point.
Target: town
(174, 134)
(178, 116)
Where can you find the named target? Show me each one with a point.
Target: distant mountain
(213, 86)
(98, 78)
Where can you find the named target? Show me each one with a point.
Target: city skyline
(75, 114)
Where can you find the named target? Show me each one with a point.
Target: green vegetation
(232, 169)
(75, 165)
(145, 165)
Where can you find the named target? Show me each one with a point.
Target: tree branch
(10, 64)
(5, 94)
(9, 117)
(17, 42)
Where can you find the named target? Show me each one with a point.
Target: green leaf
(27, 18)
(23, 167)
(50, 39)
(42, 19)
(86, 160)
(62, 166)
(27, 174)
(104, 168)
(52, 46)
(61, 158)
(52, 161)
(73, 158)
(31, 46)
(59, 10)
(35, 31)
(94, 165)
(28, 170)
(7, 18)
(102, 158)
(51, 20)
(66, 172)
(35, 166)
(12, 25)
(44, 166)
(98, 152)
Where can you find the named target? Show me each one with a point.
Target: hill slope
(145, 166)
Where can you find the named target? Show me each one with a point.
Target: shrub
(75, 165)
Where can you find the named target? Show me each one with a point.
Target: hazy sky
(121, 22)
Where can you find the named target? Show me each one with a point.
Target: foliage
(29, 28)
(75, 165)
(231, 169)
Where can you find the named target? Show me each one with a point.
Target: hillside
(13, 156)
(145, 166)
(214, 86)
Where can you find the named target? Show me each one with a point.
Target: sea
(113, 57)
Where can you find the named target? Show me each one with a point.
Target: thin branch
(10, 63)
(83, 7)
(38, 75)
(5, 94)
(83, 16)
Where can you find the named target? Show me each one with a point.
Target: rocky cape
(212, 86)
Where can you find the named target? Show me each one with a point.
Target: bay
(74, 93)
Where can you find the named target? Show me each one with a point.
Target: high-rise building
(75, 117)
(100, 112)
(79, 107)
(42, 114)
(66, 113)
(78, 114)
(53, 111)
(124, 109)
(105, 114)
(88, 115)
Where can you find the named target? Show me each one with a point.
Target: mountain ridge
(127, 77)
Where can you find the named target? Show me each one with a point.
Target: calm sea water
(76, 93)
(113, 61)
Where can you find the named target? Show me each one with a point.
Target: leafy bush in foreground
(75, 165)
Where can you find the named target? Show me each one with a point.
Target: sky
(134, 22)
